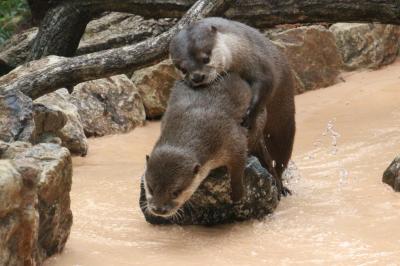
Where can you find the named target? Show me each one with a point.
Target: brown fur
(258, 61)
(200, 131)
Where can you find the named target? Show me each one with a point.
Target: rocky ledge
(211, 203)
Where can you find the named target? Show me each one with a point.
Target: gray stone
(108, 106)
(366, 45)
(16, 49)
(211, 203)
(392, 174)
(16, 117)
(57, 116)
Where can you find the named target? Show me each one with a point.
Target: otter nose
(160, 210)
(197, 78)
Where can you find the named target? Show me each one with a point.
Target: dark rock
(392, 174)
(16, 117)
(211, 203)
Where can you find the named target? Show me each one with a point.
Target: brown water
(340, 212)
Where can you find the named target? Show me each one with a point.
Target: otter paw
(286, 192)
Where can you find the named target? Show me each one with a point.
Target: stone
(312, 54)
(154, 84)
(392, 174)
(16, 117)
(211, 203)
(108, 106)
(54, 110)
(16, 49)
(19, 216)
(364, 45)
(35, 182)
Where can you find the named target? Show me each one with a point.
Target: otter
(208, 49)
(200, 131)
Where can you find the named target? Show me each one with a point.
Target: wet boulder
(312, 55)
(57, 116)
(364, 45)
(35, 214)
(108, 106)
(211, 204)
(392, 174)
(154, 85)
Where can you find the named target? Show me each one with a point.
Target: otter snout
(162, 210)
(197, 78)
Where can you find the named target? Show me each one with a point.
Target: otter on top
(208, 49)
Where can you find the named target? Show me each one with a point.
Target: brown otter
(209, 48)
(200, 131)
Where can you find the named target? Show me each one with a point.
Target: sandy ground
(340, 212)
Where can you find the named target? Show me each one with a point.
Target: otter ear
(147, 158)
(196, 169)
(213, 29)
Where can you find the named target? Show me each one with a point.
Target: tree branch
(43, 76)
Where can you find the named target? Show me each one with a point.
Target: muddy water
(340, 212)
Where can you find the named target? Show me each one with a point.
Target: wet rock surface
(366, 45)
(211, 203)
(312, 54)
(56, 116)
(154, 85)
(392, 174)
(35, 215)
(108, 106)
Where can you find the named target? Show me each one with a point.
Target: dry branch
(43, 76)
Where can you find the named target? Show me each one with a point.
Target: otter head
(200, 53)
(170, 180)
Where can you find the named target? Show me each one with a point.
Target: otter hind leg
(280, 146)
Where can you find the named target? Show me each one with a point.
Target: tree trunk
(60, 32)
(44, 76)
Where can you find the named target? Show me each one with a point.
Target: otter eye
(181, 69)
(206, 60)
(176, 193)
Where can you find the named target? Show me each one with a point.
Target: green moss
(12, 14)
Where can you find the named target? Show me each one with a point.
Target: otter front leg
(260, 91)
